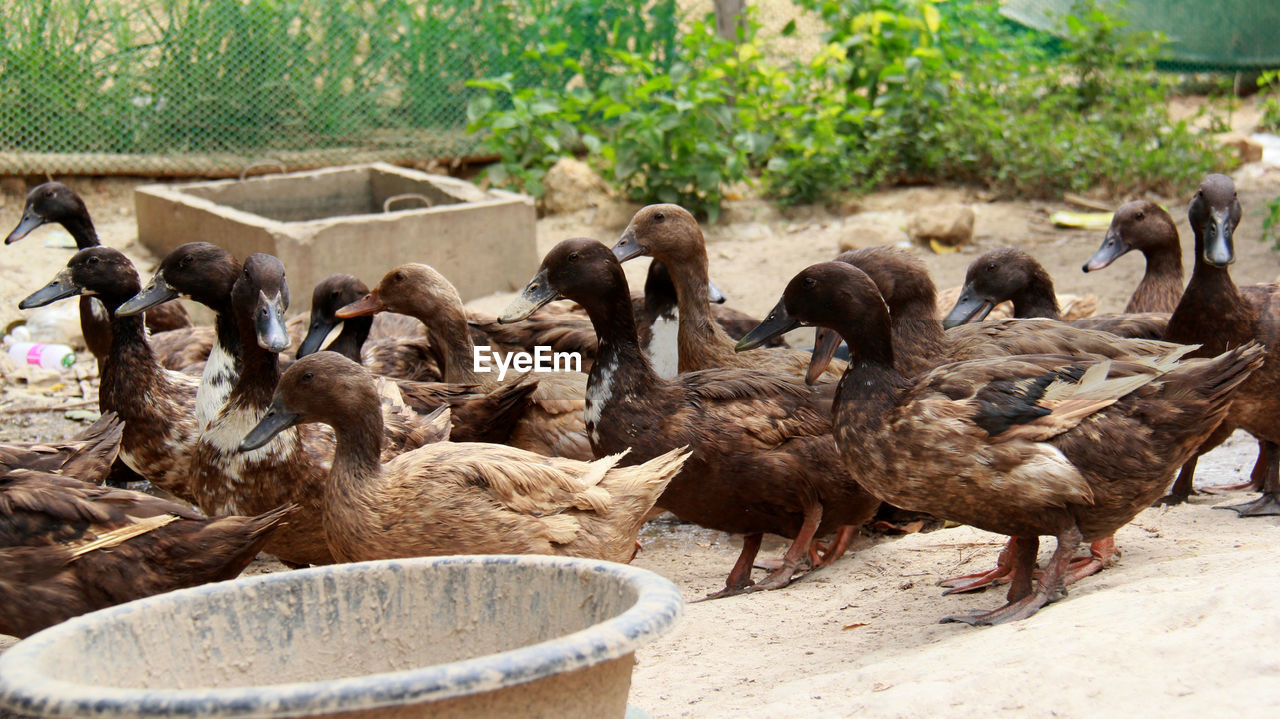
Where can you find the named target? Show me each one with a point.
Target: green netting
(206, 87)
(1222, 35)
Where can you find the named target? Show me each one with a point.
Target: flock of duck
(380, 439)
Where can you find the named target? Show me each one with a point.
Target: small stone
(1249, 149)
(864, 232)
(572, 185)
(950, 224)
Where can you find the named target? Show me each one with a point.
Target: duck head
(1214, 214)
(995, 276)
(332, 294)
(580, 269)
(668, 232)
(259, 299)
(836, 296)
(101, 271)
(200, 271)
(50, 202)
(412, 289)
(320, 387)
(1138, 225)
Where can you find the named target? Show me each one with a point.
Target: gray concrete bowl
(474, 636)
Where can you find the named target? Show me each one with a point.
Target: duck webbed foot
(739, 580)
(1102, 554)
(836, 549)
(797, 558)
(1002, 573)
(1023, 602)
(1268, 505)
(1182, 486)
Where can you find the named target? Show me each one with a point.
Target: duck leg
(1023, 602)
(839, 545)
(739, 579)
(1268, 505)
(1102, 554)
(1256, 478)
(1182, 488)
(797, 556)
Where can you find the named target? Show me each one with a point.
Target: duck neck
(226, 333)
(871, 383)
(130, 373)
(80, 226)
(618, 353)
(1161, 284)
(701, 341)
(449, 333)
(1211, 312)
(357, 464)
(1037, 298)
(917, 336)
(259, 371)
(95, 325)
(350, 341)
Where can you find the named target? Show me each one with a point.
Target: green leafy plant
(1270, 105)
(1271, 223)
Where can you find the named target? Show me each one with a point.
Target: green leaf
(505, 122)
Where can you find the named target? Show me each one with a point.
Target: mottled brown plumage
(1024, 446)
(1217, 315)
(55, 202)
(155, 404)
(68, 547)
(87, 457)
(457, 498)
(763, 459)
(1008, 273)
(670, 234)
(552, 424)
(1145, 226)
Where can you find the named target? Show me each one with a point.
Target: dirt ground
(1186, 623)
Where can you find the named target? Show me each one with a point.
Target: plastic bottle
(48, 356)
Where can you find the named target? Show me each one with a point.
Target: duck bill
(30, 220)
(969, 308)
(268, 320)
(535, 294)
(363, 307)
(778, 321)
(825, 343)
(59, 288)
(714, 294)
(1218, 248)
(277, 419)
(319, 335)
(1112, 248)
(627, 247)
(157, 292)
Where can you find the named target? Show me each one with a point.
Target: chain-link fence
(207, 87)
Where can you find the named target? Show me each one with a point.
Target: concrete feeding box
(338, 220)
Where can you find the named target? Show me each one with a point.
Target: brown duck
(87, 457)
(1145, 226)
(670, 234)
(68, 547)
(920, 345)
(1008, 273)
(553, 423)
(1025, 446)
(456, 498)
(1217, 315)
(763, 459)
(55, 202)
(156, 405)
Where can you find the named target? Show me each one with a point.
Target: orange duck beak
(363, 307)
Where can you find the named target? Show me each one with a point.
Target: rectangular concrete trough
(360, 219)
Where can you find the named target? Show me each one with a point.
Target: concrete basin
(359, 219)
(476, 636)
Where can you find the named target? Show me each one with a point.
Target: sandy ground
(1186, 623)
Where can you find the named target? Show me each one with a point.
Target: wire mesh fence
(207, 87)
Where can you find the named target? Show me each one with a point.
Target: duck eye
(1141, 215)
(308, 376)
(573, 256)
(186, 260)
(93, 260)
(399, 277)
(810, 282)
(659, 217)
(991, 267)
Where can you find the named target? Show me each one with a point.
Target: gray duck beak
(627, 247)
(1112, 248)
(536, 294)
(777, 322)
(969, 308)
(30, 220)
(268, 320)
(318, 336)
(1218, 248)
(60, 287)
(157, 292)
(277, 419)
